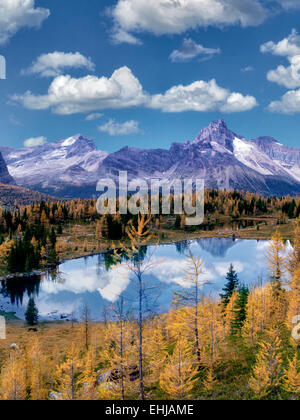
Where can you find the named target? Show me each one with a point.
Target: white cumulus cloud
(117, 281)
(247, 69)
(289, 76)
(203, 97)
(289, 4)
(113, 128)
(287, 47)
(288, 104)
(67, 95)
(17, 14)
(172, 270)
(190, 49)
(222, 267)
(177, 16)
(119, 36)
(35, 141)
(53, 64)
(93, 116)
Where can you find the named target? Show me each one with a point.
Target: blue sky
(153, 46)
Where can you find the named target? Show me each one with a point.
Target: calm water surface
(94, 281)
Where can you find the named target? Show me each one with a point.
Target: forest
(243, 345)
(31, 236)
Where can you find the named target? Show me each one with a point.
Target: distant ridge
(9, 194)
(225, 160)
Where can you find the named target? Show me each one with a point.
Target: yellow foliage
(5, 249)
(13, 384)
(119, 355)
(61, 246)
(291, 380)
(178, 377)
(294, 298)
(88, 375)
(294, 257)
(68, 383)
(210, 382)
(275, 258)
(268, 367)
(155, 349)
(38, 372)
(259, 311)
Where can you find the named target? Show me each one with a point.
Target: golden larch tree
(88, 375)
(259, 312)
(277, 267)
(291, 380)
(13, 378)
(210, 381)
(38, 372)
(268, 367)
(294, 257)
(178, 377)
(293, 299)
(67, 375)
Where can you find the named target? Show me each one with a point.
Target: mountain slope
(5, 177)
(56, 167)
(9, 194)
(286, 157)
(217, 155)
(225, 160)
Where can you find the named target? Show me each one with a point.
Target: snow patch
(294, 172)
(241, 147)
(247, 154)
(68, 142)
(219, 148)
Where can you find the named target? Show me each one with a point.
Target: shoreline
(39, 273)
(171, 237)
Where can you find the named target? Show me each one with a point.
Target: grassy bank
(78, 240)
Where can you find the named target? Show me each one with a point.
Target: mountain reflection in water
(98, 282)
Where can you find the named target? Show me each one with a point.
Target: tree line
(243, 345)
(28, 234)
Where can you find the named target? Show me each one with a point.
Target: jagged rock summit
(71, 167)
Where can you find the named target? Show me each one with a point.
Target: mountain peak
(218, 124)
(73, 139)
(78, 144)
(217, 132)
(266, 139)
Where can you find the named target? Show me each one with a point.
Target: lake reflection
(95, 281)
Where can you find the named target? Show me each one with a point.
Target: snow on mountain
(250, 156)
(71, 167)
(217, 155)
(288, 158)
(68, 142)
(49, 166)
(265, 155)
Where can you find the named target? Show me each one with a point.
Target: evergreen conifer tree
(240, 310)
(31, 314)
(231, 285)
